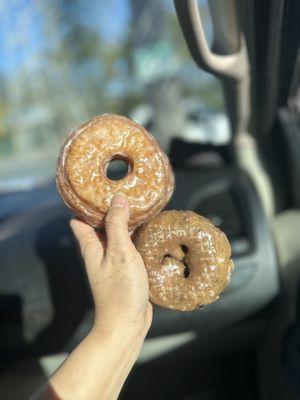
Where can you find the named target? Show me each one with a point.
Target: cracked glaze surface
(81, 177)
(187, 259)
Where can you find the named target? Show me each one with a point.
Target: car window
(63, 62)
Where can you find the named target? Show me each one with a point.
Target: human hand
(116, 273)
(123, 313)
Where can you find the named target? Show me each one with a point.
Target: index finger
(91, 243)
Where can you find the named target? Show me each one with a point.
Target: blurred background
(64, 62)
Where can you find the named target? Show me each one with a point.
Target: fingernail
(118, 201)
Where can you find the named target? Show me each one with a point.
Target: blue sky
(14, 43)
(21, 26)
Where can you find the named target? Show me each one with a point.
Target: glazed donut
(187, 259)
(81, 173)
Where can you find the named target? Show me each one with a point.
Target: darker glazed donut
(187, 259)
(81, 173)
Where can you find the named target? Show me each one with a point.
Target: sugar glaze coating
(81, 173)
(187, 259)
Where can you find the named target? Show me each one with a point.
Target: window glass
(63, 62)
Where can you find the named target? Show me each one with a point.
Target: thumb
(116, 225)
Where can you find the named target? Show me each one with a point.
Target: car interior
(246, 344)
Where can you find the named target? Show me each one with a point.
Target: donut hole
(184, 248)
(117, 168)
(186, 271)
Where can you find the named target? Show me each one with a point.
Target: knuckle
(119, 256)
(113, 220)
(115, 253)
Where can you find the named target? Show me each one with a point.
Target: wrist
(125, 346)
(118, 333)
(129, 329)
(99, 357)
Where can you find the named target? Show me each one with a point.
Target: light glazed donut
(187, 259)
(81, 173)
